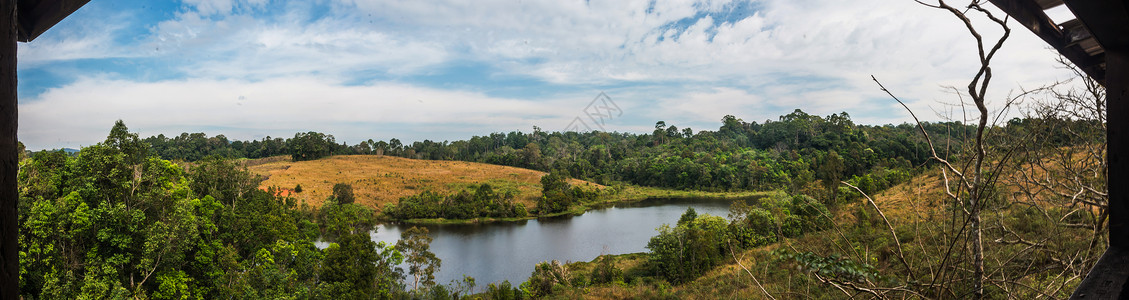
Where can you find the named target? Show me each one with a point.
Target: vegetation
(422, 264)
(115, 221)
(483, 202)
(342, 193)
(557, 195)
(799, 152)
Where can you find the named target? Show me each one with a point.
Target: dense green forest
(115, 221)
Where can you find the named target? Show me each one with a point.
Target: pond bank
(630, 194)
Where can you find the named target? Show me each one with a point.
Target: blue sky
(447, 70)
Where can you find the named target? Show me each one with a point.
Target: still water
(508, 250)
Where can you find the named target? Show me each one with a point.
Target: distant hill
(378, 180)
(68, 151)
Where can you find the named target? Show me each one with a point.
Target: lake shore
(629, 194)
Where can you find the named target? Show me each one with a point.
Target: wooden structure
(1097, 41)
(22, 21)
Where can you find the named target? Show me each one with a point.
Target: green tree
(556, 194)
(830, 171)
(224, 179)
(659, 135)
(415, 244)
(311, 146)
(357, 268)
(691, 248)
(343, 193)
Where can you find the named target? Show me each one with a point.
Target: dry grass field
(378, 180)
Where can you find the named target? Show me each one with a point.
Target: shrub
(504, 291)
(343, 193)
(688, 250)
(605, 271)
(547, 278)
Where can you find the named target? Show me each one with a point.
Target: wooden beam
(1029, 14)
(36, 16)
(1108, 21)
(9, 154)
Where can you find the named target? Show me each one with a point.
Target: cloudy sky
(447, 70)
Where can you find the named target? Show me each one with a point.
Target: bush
(688, 250)
(504, 291)
(548, 278)
(483, 202)
(605, 271)
(343, 193)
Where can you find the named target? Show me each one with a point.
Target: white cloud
(86, 37)
(708, 107)
(683, 61)
(81, 113)
(239, 45)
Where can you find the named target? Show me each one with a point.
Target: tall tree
(415, 244)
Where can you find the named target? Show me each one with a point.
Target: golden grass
(378, 180)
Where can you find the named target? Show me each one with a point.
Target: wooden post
(1117, 137)
(9, 155)
(1107, 280)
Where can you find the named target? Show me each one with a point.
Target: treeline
(557, 196)
(116, 221)
(799, 152)
(483, 202)
(790, 153)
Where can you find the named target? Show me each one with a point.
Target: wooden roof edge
(36, 16)
(1029, 14)
(1107, 21)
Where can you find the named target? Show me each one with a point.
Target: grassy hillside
(378, 180)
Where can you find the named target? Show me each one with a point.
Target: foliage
(310, 146)
(503, 291)
(557, 195)
(477, 202)
(689, 249)
(547, 278)
(605, 271)
(788, 153)
(838, 268)
(343, 193)
(415, 244)
(356, 267)
(115, 221)
(342, 219)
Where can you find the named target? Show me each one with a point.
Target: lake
(500, 251)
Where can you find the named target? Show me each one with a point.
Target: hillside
(378, 180)
(917, 210)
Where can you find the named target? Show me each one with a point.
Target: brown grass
(378, 180)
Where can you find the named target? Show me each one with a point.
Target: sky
(449, 70)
